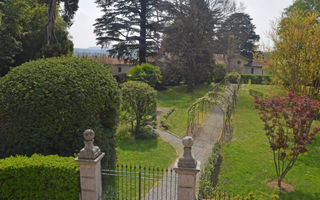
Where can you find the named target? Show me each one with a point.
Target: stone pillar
(187, 168)
(89, 160)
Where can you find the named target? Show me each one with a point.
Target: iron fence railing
(137, 182)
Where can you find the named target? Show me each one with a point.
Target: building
(241, 64)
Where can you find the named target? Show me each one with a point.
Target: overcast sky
(262, 12)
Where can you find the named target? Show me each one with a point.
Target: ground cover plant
(248, 163)
(179, 98)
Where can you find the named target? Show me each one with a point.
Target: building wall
(255, 70)
(238, 64)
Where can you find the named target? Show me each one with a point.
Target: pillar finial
(89, 151)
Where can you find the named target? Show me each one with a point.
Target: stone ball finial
(88, 135)
(187, 141)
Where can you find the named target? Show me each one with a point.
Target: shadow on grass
(128, 143)
(299, 195)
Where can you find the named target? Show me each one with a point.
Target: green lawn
(145, 152)
(247, 160)
(179, 98)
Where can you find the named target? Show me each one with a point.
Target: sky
(263, 12)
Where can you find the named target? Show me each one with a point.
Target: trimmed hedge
(255, 79)
(39, 177)
(210, 173)
(48, 103)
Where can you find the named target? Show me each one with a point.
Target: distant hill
(90, 51)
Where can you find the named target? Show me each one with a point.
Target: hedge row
(39, 177)
(164, 119)
(209, 175)
(255, 79)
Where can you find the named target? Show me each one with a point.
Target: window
(239, 62)
(252, 70)
(119, 70)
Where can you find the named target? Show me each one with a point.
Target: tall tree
(188, 40)
(70, 7)
(295, 60)
(130, 26)
(310, 5)
(22, 26)
(237, 36)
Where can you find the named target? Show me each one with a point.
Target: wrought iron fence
(137, 182)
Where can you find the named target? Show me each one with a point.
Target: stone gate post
(187, 168)
(89, 160)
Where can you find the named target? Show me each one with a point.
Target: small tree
(139, 105)
(287, 123)
(146, 73)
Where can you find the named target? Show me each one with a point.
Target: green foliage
(39, 177)
(22, 33)
(233, 77)
(181, 99)
(219, 72)
(248, 164)
(257, 93)
(147, 73)
(50, 102)
(139, 106)
(210, 174)
(255, 79)
(164, 118)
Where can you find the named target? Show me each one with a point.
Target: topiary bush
(139, 106)
(147, 73)
(39, 177)
(48, 103)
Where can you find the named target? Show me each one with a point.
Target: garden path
(204, 140)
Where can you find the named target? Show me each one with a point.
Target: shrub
(139, 105)
(210, 173)
(219, 72)
(233, 77)
(146, 73)
(50, 102)
(164, 119)
(255, 79)
(287, 122)
(39, 177)
(257, 93)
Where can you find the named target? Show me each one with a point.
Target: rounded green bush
(139, 106)
(39, 177)
(147, 73)
(48, 103)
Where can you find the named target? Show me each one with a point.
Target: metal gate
(128, 182)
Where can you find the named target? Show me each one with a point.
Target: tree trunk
(50, 35)
(279, 184)
(143, 32)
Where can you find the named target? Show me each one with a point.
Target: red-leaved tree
(287, 123)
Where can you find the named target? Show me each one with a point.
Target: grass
(179, 98)
(247, 160)
(145, 152)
